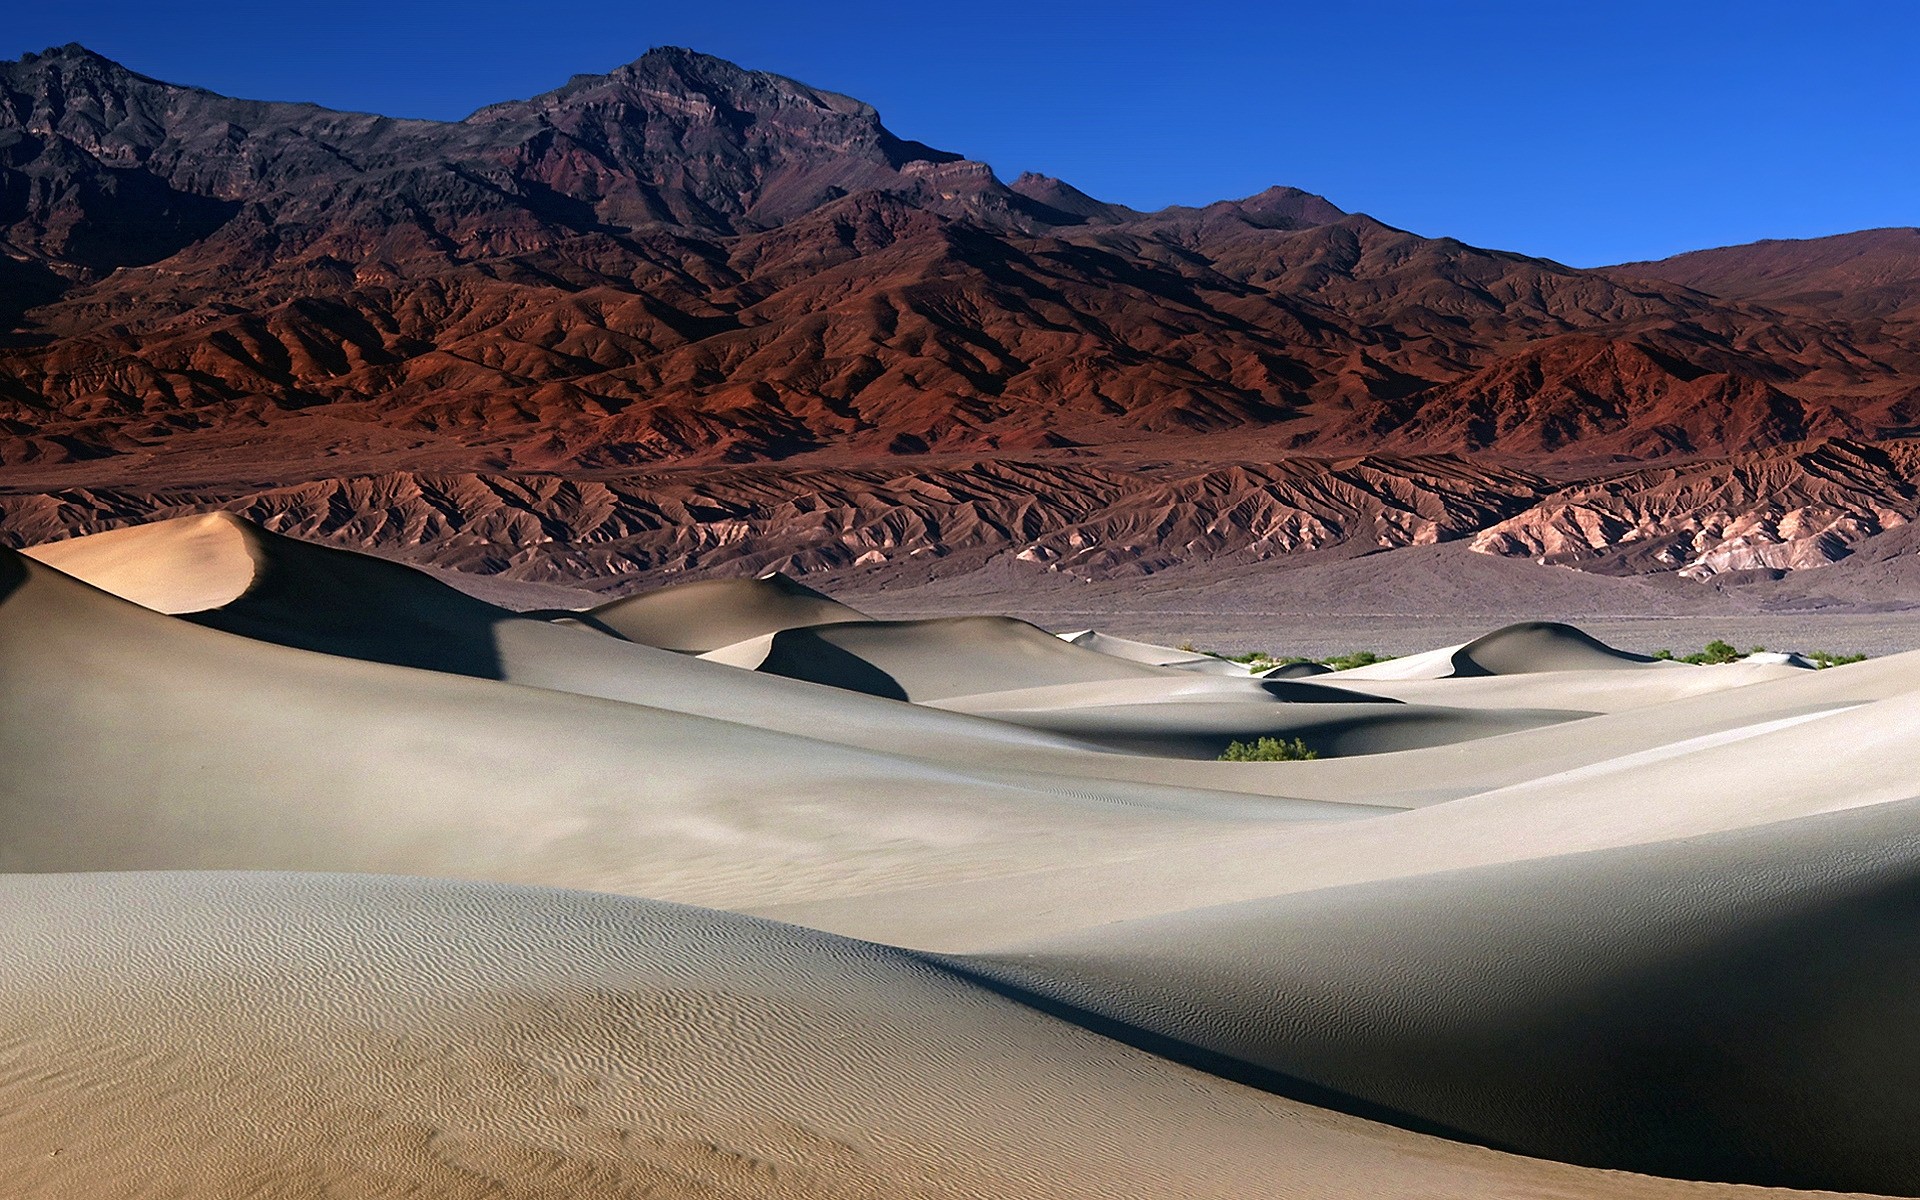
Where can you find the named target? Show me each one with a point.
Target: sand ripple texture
(325, 879)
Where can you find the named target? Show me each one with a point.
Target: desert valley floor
(325, 878)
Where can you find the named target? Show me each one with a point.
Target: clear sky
(1589, 131)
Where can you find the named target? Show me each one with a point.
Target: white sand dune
(354, 606)
(944, 657)
(1786, 769)
(1541, 896)
(1534, 646)
(1586, 690)
(1527, 648)
(696, 617)
(137, 741)
(308, 1036)
(1738, 1006)
(1147, 652)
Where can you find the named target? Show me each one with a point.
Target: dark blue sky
(1589, 131)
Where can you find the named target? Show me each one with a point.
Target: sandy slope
(349, 1037)
(1785, 743)
(1674, 937)
(1147, 652)
(135, 741)
(180, 566)
(718, 612)
(943, 658)
(1736, 1006)
(1199, 725)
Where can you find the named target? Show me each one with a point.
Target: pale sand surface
(715, 613)
(305, 1036)
(1536, 895)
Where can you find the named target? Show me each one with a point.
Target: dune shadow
(1199, 1058)
(13, 572)
(312, 597)
(802, 654)
(1295, 692)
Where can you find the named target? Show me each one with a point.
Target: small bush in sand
(1715, 652)
(1259, 660)
(1824, 659)
(1269, 750)
(1719, 651)
(1359, 658)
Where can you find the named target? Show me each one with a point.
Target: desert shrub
(1269, 749)
(1823, 659)
(1714, 653)
(1263, 660)
(1721, 651)
(1359, 658)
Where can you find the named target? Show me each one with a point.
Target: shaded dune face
(1734, 1008)
(1502, 931)
(942, 658)
(229, 574)
(1536, 646)
(1335, 729)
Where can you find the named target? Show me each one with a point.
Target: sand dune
(1526, 648)
(1147, 652)
(1540, 896)
(179, 566)
(696, 617)
(1200, 723)
(1583, 689)
(1535, 646)
(359, 1037)
(1733, 1007)
(350, 605)
(137, 741)
(1819, 761)
(939, 659)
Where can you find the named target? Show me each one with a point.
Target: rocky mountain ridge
(683, 264)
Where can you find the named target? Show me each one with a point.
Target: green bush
(1359, 658)
(1720, 651)
(1263, 660)
(1269, 750)
(1715, 653)
(1824, 659)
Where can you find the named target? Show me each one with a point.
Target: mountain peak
(1063, 198)
(56, 67)
(679, 71)
(1289, 204)
(71, 51)
(72, 56)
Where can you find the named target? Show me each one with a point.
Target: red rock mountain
(555, 319)
(1873, 273)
